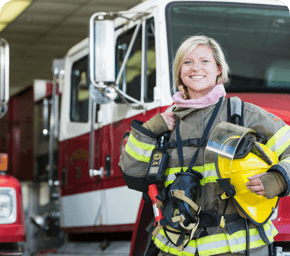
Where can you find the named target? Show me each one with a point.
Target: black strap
(247, 238)
(179, 145)
(206, 132)
(263, 234)
(149, 229)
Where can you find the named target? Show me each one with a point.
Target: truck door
(138, 81)
(80, 196)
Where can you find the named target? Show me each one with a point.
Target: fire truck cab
(12, 226)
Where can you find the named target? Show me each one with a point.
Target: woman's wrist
(274, 184)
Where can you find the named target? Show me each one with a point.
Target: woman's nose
(195, 66)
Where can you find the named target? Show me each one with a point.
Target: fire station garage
(76, 76)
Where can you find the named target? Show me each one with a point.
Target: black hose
(247, 238)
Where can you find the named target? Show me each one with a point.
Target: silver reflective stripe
(281, 141)
(190, 249)
(164, 240)
(209, 173)
(139, 151)
(212, 245)
(170, 177)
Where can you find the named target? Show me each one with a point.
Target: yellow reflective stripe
(209, 174)
(136, 155)
(277, 136)
(139, 150)
(217, 244)
(163, 244)
(210, 179)
(280, 140)
(172, 171)
(236, 242)
(208, 171)
(141, 145)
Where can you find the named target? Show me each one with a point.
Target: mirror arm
(124, 96)
(121, 14)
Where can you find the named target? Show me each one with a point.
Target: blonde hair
(189, 45)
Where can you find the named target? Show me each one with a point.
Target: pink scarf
(209, 99)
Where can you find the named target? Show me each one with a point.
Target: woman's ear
(219, 69)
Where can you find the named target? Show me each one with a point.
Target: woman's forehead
(200, 50)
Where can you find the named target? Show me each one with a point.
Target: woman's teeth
(196, 77)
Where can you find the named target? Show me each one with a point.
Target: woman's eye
(205, 61)
(187, 62)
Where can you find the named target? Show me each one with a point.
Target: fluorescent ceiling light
(11, 10)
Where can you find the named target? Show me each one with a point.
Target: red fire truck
(12, 226)
(123, 71)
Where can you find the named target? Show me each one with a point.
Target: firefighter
(201, 72)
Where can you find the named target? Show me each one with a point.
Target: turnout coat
(232, 237)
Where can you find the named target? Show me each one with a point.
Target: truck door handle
(94, 173)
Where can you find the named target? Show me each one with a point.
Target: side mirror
(102, 51)
(4, 76)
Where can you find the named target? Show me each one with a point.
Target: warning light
(3, 162)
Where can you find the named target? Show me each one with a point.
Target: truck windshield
(255, 40)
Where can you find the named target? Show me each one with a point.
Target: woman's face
(199, 71)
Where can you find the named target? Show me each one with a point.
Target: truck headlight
(7, 205)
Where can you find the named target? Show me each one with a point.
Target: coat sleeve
(136, 157)
(277, 133)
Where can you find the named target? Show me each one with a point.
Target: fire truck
(80, 203)
(12, 225)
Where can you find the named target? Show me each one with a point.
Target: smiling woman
(211, 224)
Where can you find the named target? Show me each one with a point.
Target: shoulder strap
(235, 111)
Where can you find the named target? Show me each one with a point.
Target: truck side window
(130, 82)
(79, 91)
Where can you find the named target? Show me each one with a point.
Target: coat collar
(182, 112)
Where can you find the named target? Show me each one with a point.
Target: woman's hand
(170, 119)
(256, 185)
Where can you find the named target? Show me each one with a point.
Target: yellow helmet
(238, 155)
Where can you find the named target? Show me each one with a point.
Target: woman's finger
(256, 176)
